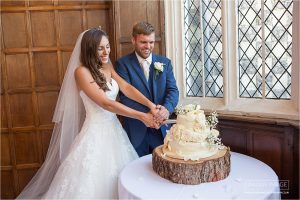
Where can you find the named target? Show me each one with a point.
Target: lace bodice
(93, 110)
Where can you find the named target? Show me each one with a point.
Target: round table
(249, 178)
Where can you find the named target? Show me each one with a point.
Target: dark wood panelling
(71, 26)
(96, 18)
(26, 147)
(295, 185)
(37, 38)
(65, 60)
(21, 110)
(24, 176)
(46, 105)
(1, 81)
(234, 137)
(127, 13)
(7, 186)
(5, 154)
(46, 136)
(14, 24)
(70, 2)
(3, 113)
(130, 13)
(270, 153)
(40, 3)
(156, 16)
(126, 48)
(43, 71)
(18, 71)
(43, 29)
(275, 144)
(13, 3)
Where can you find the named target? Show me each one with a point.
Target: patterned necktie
(145, 66)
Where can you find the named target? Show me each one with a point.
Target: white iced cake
(194, 136)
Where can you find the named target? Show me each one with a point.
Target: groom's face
(144, 44)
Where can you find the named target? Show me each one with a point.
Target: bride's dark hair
(89, 56)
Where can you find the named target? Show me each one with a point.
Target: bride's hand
(154, 109)
(148, 120)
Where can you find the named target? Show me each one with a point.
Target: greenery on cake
(212, 120)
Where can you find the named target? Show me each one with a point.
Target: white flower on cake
(186, 109)
(215, 132)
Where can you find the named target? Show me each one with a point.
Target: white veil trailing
(68, 117)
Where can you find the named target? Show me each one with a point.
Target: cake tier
(181, 133)
(192, 120)
(188, 150)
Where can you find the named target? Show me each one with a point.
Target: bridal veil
(68, 118)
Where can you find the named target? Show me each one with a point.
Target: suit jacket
(160, 89)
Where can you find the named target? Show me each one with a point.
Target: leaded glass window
(203, 48)
(265, 48)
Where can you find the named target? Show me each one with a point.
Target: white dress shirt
(145, 64)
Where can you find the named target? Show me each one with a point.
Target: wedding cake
(192, 152)
(193, 137)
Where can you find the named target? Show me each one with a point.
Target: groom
(153, 76)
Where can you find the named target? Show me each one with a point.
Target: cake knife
(169, 121)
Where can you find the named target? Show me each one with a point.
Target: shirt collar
(141, 60)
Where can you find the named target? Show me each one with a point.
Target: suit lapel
(138, 69)
(154, 86)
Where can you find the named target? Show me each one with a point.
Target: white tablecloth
(249, 178)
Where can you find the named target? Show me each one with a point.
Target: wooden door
(127, 13)
(37, 38)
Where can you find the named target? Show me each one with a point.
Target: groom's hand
(148, 120)
(154, 110)
(154, 124)
(162, 114)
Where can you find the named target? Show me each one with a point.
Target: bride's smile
(104, 50)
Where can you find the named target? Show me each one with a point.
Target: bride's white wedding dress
(98, 154)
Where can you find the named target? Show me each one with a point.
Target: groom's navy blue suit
(160, 89)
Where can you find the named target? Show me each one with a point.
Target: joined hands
(156, 116)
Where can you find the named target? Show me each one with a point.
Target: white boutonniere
(159, 67)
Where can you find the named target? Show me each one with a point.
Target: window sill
(276, 110)
(259, 119)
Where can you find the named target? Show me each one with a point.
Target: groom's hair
(144, 28)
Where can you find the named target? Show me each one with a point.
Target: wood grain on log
(211, 169)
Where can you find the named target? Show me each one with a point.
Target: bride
(84, 159)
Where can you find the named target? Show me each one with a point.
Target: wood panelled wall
(276, 144)
(37, 38)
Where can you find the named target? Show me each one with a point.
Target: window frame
(231, 103)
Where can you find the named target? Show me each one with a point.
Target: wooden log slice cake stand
(211, 169)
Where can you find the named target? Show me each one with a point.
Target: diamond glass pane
(212, 42)
(193, 48)
(278, 34)
(250, 47)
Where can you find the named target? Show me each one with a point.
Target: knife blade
(170, 121)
